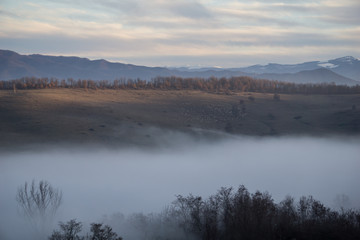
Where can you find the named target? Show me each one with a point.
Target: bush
(251, 98)
(71, 230)
(276, 97)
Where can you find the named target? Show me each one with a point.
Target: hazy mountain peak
(8, 54)
(346, 59)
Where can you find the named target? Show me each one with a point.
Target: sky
(226, 33)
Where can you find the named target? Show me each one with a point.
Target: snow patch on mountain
(327, 65)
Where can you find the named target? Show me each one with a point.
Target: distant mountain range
(345, 70)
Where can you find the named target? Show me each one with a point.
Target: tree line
(212, 84)
(230, 215)
(237, 214)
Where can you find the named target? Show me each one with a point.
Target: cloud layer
(185, 32)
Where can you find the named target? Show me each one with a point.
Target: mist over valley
(99, 181)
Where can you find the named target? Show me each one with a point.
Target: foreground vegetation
(238, 214)
(227, 215)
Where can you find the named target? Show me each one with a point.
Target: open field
(118, 117)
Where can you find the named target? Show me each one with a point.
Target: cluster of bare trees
(236, 214)
(240, 215)
(212, 84)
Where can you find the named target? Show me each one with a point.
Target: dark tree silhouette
(100, 232)
(68, 231)
(230, 215)
(71, 230)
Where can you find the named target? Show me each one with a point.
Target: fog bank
(98, 181)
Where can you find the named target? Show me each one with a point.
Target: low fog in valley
(98, 182)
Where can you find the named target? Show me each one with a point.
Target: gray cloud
(293, 7)
(245, 18)
(76, 45)
(296, 40)
(8, 13)
(170, 24)
(184, 8)
(127, 6)
(190, 9)
(343, 15)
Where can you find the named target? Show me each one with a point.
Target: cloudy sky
(225, 33)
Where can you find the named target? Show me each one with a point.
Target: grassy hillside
(129, 116)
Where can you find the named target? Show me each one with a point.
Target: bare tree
(38, 203)
(14, 87)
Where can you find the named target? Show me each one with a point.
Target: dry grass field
(135, 116)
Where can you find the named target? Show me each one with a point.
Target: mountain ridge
(319, 75)
(14, 65)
